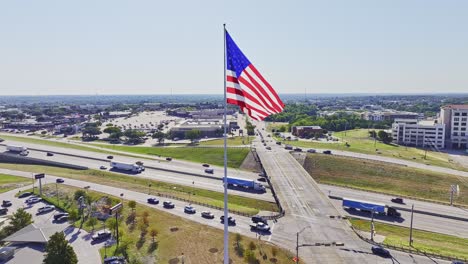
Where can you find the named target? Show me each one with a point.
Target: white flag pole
(226, 232)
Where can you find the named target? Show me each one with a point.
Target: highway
(421, 221)
(309, 210)
(283, 232)
(212, 182)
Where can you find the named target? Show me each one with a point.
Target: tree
(252, 245)
(91, 130)
(112, 129)
(153, 233)
(58, 251)
(73, 215)
(92, 221)
(134, 136)
(18, 220)
(132, 205)
(193, 135)
(161, 136)
(78, 194)
(238, 239)
(384, 136)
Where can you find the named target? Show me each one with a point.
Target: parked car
(101, 235)
(261, 179)
(207, 214)
(33, 200)
(153, 200)
(189, 209)
(311, 151)
(381, 251)
(258, 219)
(103, 167)
(298, 149)
(231, 221)
(3, 211)
(268, 148)
(6, 203)
(110, 157)
(168, 204)
(327, 152)
(168, 158)
(114, 260)
(25, 194)
(398, 200)
(59, 180)
(278, 143)
(63, 218)
(45, 209)
(50, 154)
(58, 215)
(206, 165)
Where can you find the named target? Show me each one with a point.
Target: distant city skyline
(302, 47)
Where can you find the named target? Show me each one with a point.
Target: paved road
(421, 221)
(307, 207)
(80, 240)
(213, 184)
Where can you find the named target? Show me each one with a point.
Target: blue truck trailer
(251, 184)
(368, 206)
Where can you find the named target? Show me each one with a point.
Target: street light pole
(297, 243)
(56, 190)
(372, 226)
(411, 227)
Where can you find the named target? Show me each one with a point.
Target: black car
(153, 201)
(278, 143)
(381, 251)
(101, 235)
(25, 194)
(3, 211)
(57, 216)
(206, 165)
(168, 204)
(327, 152)
(398, 200)
(110, 157)
(298, 149)
(231, 221)
(258, 219)
(50, 154)
(6, 203)
(168, 158)
(59, 180)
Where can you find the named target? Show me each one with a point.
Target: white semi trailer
(125, 166)
(18, 149)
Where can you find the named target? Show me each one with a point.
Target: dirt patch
(174, 229)
(174, 261)
(213, 250)
(249, 163)
(273, 260)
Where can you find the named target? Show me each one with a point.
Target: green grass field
(237, 203)
(10, 182)
(384, 177)
(422, 240)
(175, 234)
(203, 155)
(231, 141)
(360, 142)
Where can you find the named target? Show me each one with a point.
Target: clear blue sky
(153, 47)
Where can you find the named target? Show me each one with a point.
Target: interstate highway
(281, 235)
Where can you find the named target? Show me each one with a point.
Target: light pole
(297, 243)
(149, 188)
(411, 227)
(372, 226)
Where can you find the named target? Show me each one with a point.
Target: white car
(260, 227)
(33, 200)
(190, 209)
(45, 209)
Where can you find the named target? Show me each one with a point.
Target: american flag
(246, 87)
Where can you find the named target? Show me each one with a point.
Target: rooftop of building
(456, 106)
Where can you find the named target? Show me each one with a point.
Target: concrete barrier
(15, 158)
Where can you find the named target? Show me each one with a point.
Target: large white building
(412, 132)
(455, 118)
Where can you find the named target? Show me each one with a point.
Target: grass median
(10, 182)
(359, 141)
(237, 203)
(384, 177)
(209, 155)
(173, 235)
(422, 240)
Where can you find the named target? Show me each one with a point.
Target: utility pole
(452, 189)
(56, 190)
(297, 247)
(411, 227)
(372, 226)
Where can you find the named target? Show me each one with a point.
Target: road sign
(115, 208)
(39, 176)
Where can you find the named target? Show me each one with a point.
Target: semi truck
(18, 149)
(367, 206)
(125, 166)
(251, 184)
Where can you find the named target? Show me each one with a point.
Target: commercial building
(411, 132)
(455, 118)
(388, 115)
(306, 131)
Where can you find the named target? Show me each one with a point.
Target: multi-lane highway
(177, 172)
